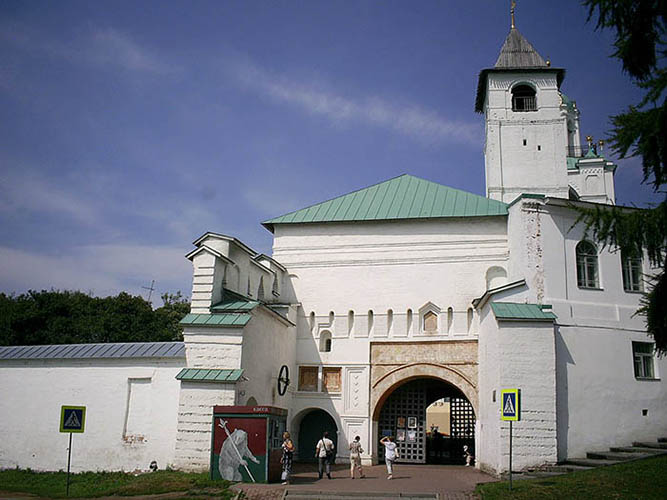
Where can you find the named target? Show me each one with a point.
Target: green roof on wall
(231, 319)
(403, 197)
(209, 375)
(522, 312)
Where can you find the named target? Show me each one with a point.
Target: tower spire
(513, 5)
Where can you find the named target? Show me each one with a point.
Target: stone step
(657, 444)
(563, 468)
(636, 449)
(590, 462)
(621, 456)
(545, 473)
(347, 495)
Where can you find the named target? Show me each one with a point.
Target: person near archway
(288, 455)
(390, 454)
(324, 452)
(355, 457)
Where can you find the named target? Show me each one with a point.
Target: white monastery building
(380, 302)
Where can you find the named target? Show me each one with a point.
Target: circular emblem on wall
(283, 380)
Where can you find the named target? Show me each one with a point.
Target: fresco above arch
(394, 363)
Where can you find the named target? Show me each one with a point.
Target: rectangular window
(643, 359)
(331, 380)
(632, 274)
(308, 378)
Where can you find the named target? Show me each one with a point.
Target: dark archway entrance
(312, 426)
(403, 416)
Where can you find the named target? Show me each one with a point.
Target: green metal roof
(209, 375)
(572, 163)
(403, 197)
(525, 312)
(228, 319)
(235, 305)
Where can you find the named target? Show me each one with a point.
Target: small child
(467, 455)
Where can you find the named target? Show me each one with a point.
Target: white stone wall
(539, 165)
(268, 343)
(517, 355)
(195, 418)
(599, 400)
(397, 270)
(130, 413)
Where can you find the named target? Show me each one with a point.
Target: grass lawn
(97, 484)
(641, 479)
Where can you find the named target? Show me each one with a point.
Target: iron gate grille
(407, 402)
(403, 416)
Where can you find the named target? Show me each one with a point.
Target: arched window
(350, 322)
(632, 273)
(325, 341)
(450, 319)
(523, 98)
(390, 321)
(587, 265)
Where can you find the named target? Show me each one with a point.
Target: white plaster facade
(130, 413)
(390, 300)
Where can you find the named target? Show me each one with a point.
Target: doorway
(312, 426)
(404, 416)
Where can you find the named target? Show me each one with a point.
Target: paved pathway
(451, 481)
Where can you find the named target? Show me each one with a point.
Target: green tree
(173, 310)
(640, 131)
(68, 317)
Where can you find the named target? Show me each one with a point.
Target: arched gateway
(406, 379)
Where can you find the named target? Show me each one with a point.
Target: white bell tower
(526, 125)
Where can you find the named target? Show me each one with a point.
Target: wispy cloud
(101, 47)
(28, 192)
(100, 269)
(406, 119)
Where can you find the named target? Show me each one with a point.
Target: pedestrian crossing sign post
(510, 410)
(72, 418)
(510, 405)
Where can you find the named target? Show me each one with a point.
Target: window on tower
(523, 98)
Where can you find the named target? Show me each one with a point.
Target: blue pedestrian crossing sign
(510, 409)
(72, 418)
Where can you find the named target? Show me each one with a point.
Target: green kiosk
(247, 443)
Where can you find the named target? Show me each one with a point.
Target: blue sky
(131, 128)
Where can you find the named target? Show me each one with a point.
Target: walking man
(324, 452)
(390, 454)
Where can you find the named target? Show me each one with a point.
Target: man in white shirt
(390, 454)
(324, 453)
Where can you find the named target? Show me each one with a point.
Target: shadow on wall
(563, 359)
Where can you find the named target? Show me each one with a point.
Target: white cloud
(100, 269)
(26, 192)
(409, 120)
(109, 46)
(102, 47)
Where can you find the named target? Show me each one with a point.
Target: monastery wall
(363, 284)
(130, 413)
(600, 401)
(517, 355)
